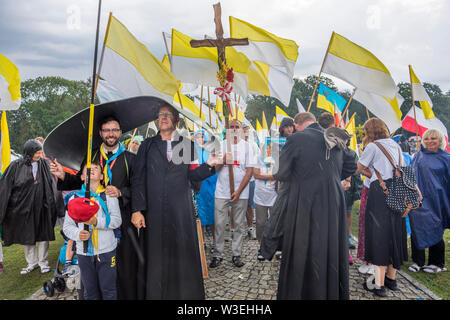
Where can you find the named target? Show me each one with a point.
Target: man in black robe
(165, 170)
(315, 248)
(118, 185)
(29, 206)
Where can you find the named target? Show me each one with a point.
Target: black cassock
(161, 190)
(126, 254)
(315, 243)
(28, 207)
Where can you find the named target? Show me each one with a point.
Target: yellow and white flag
(421, 95)
(199, 65)
(5, 148)
(359, 67)
(130, 67)
(273, 60)
(351, 129)
(265, 46)
(274, 126)
(10, 97)
(280, 114)
(386, 109)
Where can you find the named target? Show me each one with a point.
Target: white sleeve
(368, 155)
(70, 228)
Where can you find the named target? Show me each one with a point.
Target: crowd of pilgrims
(293, 196)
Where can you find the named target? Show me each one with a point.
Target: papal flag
(421, 95)
(351, 129)
(199, 65)
(386, 109)
(5, 149)
(9, 85)
(328, 99)
(129, 66)
(358, 66)
(273, 60)
(300, 107)
(265, 46)
(280, 114)
(274, 127)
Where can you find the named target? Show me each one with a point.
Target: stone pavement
(258, 280)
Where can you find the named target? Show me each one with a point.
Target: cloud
(51, 37)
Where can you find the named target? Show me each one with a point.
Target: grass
(437, 283)
(13, 285)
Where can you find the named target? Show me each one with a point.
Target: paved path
(258, 280)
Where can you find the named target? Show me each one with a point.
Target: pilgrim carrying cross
(220, 43)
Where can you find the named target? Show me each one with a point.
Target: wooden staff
(201, 102)
(202, 249)
(368, 116)
(209, 107)
(320, 73)
(348, 103)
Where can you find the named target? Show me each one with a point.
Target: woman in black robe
(166, 168)
(315, 246)
(28, 204)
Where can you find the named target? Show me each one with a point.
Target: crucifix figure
(221, 43)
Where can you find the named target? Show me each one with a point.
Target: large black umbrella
(68, 141)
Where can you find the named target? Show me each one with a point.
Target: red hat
(82, 209)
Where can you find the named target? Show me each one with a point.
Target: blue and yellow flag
(327, 98)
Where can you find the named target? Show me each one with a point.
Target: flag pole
(209, 107)
(348, 103)
(91, 123)
(367, 112)
(103, 52)
(320, 73)
(201, 102)
(414, 108)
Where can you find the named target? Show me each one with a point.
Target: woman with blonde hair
(385, 231)
(432, 168)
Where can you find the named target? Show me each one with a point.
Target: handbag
(403, 195)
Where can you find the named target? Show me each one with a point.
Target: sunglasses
(165, 114)
(115, 130)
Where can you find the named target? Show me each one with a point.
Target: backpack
(403, 195)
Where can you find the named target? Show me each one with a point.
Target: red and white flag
(423, 124)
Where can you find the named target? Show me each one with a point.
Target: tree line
(48, 101)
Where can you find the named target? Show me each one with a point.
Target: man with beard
(117, 166)
(166, 169)
(28, 206)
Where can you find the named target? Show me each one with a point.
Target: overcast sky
(56, 37)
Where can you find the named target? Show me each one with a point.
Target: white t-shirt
(265, 194)
(255, 154)
(243, 157)
(373, 157)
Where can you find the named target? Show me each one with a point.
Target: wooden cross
(220, 43)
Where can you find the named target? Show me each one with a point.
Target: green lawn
(13, 285)
(438, 283)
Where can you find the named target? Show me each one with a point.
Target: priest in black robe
(119, 186)
(166, 170)
(315, 245)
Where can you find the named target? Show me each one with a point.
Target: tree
(46, 102)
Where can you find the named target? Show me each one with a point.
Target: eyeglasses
(165, 114)
(115, 130)
(235, 127)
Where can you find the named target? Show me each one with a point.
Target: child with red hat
(102, 214)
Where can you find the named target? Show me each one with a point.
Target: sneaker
(45, 269)
(260, 256)
(363, 268)
(215, 262)
(212, 249)
(350, 259)
(434, 269)
(237, 261)
(391, 284)
(1, 267)
(414, 267)
(28, 269)
(278, 255)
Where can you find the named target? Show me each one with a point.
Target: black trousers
(436, 254)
